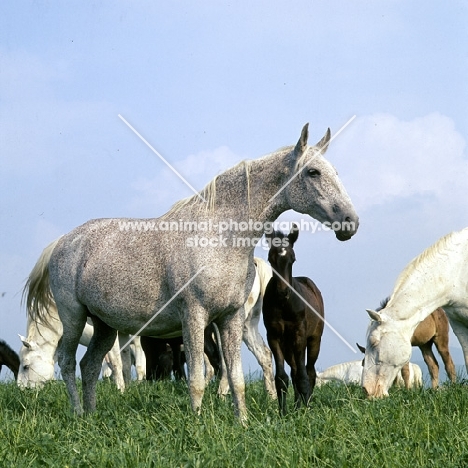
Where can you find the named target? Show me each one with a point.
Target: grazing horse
(436, 278)
(38, 353)
(293, 314)
(9, 358)
(351, 373)
(157, 277)
(434, 329)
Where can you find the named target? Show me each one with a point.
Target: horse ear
(361, 348)
(322, 145)
(376, 316)
(28, 344)
(24, 341)
(293, 234)
(301, 145)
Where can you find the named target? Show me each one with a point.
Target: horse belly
(165, 324)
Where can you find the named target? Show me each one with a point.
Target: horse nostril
(366, 393)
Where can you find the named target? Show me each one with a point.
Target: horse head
(315, 188)
(281, 257)
(36, 366)
(388, 349)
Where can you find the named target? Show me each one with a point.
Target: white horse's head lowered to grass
(436, 278)
(388, 349)
(36, 360)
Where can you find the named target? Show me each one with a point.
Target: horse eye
(26, 367)
(313, 172)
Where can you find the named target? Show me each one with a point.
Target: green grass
(152, 425)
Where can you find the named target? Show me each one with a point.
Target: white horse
(351, 373)
(163, 282)
(38, 353)
(438, 277)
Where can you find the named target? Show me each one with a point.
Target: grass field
(151, 425)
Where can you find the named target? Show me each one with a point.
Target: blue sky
(209, 83)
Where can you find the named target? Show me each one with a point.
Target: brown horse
(293, 315)
(9, 358)
(165, 355)
(434, 329)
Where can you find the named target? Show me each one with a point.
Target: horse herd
(154, 283)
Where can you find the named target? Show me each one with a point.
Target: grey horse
(160, 277)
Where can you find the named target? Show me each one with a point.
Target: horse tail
(264, 273)
(37, 288)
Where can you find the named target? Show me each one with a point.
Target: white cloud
(391, 159)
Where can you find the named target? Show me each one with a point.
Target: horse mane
(383, 304)
(206, 198)
(430, 254)
(8, 353)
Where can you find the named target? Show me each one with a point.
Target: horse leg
(313, 349)
(300, 377)
(212, 349)
(431, 362)
(115, 361)
(461, 333)
(209, 370)
(443, 348)
(291, 360)
(140, 358)
(230, 329)
(223, 388)
(258, 348)
(73, 322)
(281, 377)
(405, 374)
(177, 359)
(101, 343)
(126, 357)
(194, 323)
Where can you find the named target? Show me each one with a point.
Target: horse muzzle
(348, 227)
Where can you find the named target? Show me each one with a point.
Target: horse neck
(436, 278)
(283, 278)
(243, 193)
(268, 175)
(418, 297)
(45, 336)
